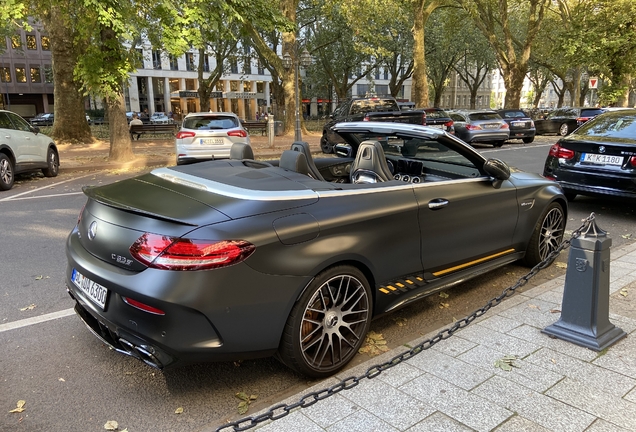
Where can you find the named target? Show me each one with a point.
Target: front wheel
(547, 235)
(6, 172)
(325, 145)
(328, 324)
(564, 129)
(499, 143)
(52, 164)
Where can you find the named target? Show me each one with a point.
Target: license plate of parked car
(211, 141)
(93, 290)
(600, 159)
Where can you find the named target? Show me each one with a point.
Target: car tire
(7, 175)
(52, 164)
(328, 324)
(528, 140)
(570, 195)
(325, 145)
(547, 235)
(499, 143)
(564, 129)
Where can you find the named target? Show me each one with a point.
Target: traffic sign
(593, 82)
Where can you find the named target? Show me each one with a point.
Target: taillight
(473, 127)
(504, 126)
(632, 161)
(562, 153)
(185, 134)
(170, 253)
(581, 120)
(143, 306)
(79, 217)
(423, 118)
(531, 123)
(366, 118)
(237, 133)
(449, 124)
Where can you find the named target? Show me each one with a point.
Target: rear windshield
(591, 112)
(610, 125)
(484, 116)
(210, 122)
(513, 114)
(374, 105)
(436, 114)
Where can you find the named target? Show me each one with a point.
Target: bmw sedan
(564, 121)
(294, 257)
(598, 159)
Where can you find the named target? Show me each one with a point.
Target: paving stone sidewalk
(455, 386)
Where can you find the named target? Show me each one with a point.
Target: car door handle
(437, 204)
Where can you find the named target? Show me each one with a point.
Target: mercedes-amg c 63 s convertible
(240, 258)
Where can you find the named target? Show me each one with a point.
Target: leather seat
(294, 161)
(370, 164)
(241, 151)
(303, 147)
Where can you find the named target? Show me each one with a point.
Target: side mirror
(498, 169)
(36, 130)
(343, 150)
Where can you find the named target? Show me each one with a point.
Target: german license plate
(518, 124)
(437, 126)
(93, 290)
(599, 159)
(211, 141)
(491, 126)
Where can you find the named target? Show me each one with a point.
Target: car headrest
(294, 161)
(241, 151)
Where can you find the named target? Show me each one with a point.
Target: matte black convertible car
(240, 258)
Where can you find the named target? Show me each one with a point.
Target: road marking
(499, 149)
(42, 196)
(36, 320)
(46, 187)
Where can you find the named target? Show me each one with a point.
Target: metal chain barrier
(281, 410)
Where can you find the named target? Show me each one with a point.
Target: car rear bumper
(487, 136)
(591, 183)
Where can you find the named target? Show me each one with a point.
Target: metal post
(270, 130)
(297, 133)
(585, 309)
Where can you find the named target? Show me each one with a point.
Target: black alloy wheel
(564, 129)
(547, 235)
(6, 172)
(325, 145)
(52, 164)
(328, 324)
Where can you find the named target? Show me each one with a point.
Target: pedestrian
(135, 121)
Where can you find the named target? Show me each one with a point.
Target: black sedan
(564, 121)
(520, 123)
(239, 258)
(598, 159)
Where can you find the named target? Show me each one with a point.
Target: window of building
(36, 77)
(20, 74)
(190, 65)
(260, 68)
(140, 57)
(156, 59)
(234, 86)
(5, 74)
(174, 63)
(377, 73)
(174, 85)
(233, 66)
(247, 86)
(48, 74)
(362, 89)
(247, 65)
(16, 41)
(31, 42)
(382, 89)
(386, 73)
(191, 84)
(206, 63)
(45, 43)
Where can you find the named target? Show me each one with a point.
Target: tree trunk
(70, 119)
(419, 90)
(623, 98)
(120, 142)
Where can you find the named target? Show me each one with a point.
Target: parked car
(160, 118)
(438, 118)
(208, 135)
(368, 108)
(43, 119)
(480, 126)
(238, 258)
(599, 158)
(24, 149)
(564, 121)
(520, 124)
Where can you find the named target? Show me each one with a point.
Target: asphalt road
(72, 382)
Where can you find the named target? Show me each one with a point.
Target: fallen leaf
(626, 236)
(111, 425)
(243, 407)
(374, 344)
(553, 361)
(61, 379)
(29, 307)
(531, 306)
(555, 311)
(506, 363)
(443, 295)
(20, 407)
(246, 400)
(401, 322)
(179, 410)
(561, 265)
(623, 292)
(443, 305)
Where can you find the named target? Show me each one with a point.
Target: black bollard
(585, 310)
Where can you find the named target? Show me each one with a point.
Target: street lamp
(304, 61)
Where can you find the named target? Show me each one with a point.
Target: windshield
(611, 125)
(210, 122)
(484, 116)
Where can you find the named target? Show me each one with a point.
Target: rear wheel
(547, 235)
(564, 129)
(325, 145)
(52, 164)
(499, 143)
(6, 172)
(328, 324)
(528, 140)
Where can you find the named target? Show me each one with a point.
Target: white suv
(23, 148)
(207, 136)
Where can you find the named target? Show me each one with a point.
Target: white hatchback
(208, 136)
(24, 149)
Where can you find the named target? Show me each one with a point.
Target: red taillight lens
(632, 161)
(580, 120)
(143, 306)
(449, 124)
(366, 118)
(169, 253)
(185, 134)
(424, 118)
(473, 127)
(562, 153)
(504, 126)
(237, 133)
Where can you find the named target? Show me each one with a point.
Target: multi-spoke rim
(563, 130)
(53, 162)
(551, 232)
(334, 322)
(5, 171)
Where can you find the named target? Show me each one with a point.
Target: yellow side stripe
(471, 263)
(392, 288)
(384, 291)
(409, 282)
(400, 285)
